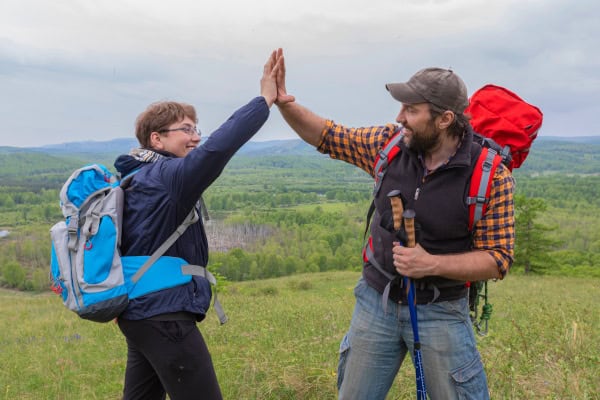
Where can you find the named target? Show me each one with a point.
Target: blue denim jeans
(376, 344)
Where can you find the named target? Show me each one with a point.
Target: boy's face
(178, 139)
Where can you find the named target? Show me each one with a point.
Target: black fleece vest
(439, 200)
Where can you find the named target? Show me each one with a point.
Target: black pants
(167, 357)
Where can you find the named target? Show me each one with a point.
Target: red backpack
(501, 115)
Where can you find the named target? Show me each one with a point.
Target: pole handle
(397, 208)
(409, 227)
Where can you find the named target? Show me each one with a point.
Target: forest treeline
(274, 215)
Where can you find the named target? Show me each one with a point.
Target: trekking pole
(408, 218)
(409, 228)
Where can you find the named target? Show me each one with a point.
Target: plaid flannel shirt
(494, 233)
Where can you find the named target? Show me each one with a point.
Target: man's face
(420, 132)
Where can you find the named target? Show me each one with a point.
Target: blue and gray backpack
(87, 268)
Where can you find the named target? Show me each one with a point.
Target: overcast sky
(74, 70)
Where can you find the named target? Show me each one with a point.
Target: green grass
(283, 336)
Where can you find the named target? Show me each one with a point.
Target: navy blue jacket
(163, 193)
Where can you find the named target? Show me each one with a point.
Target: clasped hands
(272, 83)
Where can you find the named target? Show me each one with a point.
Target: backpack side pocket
(60, 265)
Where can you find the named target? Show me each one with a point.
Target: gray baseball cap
(438, 86)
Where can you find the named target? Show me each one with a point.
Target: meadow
(303, 216)
(283, 335)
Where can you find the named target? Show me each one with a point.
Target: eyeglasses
(188, 129)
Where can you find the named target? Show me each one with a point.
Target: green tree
(6, 201)
(532, 246)
(40, 279)
(14, 275)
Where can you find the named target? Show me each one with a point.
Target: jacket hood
(126, 164)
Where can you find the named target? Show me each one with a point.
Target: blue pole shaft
(418, 361)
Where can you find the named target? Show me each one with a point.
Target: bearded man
(432, 171)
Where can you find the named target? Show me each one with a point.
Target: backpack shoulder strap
(125, 181)
(481, 184)
(384, 157)
(369, 216)
(382, 160)
(191, 218)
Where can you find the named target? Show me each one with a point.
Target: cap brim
(404, 93)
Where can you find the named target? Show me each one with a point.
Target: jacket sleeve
(187, 178)
(356, 146)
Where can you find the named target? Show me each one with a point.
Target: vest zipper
(420, 182)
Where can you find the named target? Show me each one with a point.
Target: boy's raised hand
(268, 82)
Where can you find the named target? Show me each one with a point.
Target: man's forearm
(475, 265)
(304, 122)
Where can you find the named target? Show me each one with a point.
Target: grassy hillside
(268, 184)
(283, 337)
(550, 155)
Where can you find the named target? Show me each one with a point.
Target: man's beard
(424, 141)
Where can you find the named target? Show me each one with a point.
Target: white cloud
(97, 64)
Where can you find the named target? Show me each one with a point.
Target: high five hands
(272, 83)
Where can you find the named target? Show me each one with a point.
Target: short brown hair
(458, 126)
(159, 116)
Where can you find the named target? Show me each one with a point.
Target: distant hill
(48, 166)
(573, 139)
(578, 155)
(119, 146)
(549, 154)
(252, 148)
(115, 146)
(277, 147)
(30, 168)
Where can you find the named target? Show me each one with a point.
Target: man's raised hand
(282, 96)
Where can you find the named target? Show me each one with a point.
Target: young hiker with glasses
(166, 353)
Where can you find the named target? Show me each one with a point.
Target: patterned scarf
(146, 155)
